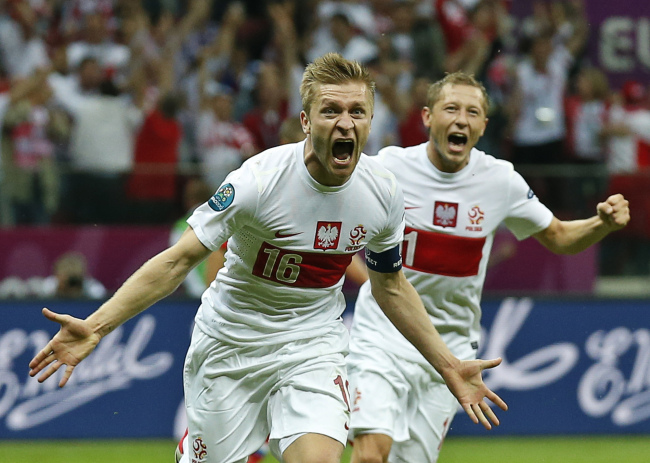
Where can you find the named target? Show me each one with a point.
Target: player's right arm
(157, 278)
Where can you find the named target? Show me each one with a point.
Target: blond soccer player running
(267, 355)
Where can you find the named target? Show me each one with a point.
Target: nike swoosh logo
(286, 235)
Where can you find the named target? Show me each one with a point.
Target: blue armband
(384, 262)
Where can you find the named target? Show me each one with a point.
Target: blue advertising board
(130, 386)
(570, 366)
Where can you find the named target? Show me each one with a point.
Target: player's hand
(466, 383)
(614, 212)
(73, 343)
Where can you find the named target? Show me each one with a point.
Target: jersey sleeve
(393, 232)
(232, 207)
(526, 215)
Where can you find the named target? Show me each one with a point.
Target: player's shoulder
(395, 155)
(276, 155)
(373, 172)
(271, 162)
(490, 164)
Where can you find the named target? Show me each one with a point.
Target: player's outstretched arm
(403, 306)
(574, 236)
(157, 278)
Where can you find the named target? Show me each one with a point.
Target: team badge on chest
(475, 216)
(445, 214)
(357, 235)
(327, 235)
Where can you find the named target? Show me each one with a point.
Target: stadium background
(575, 334)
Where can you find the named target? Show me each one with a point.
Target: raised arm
(403, 306)
(574, 236)
(157, 278)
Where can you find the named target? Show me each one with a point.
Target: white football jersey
(290, 240)
(451, 220)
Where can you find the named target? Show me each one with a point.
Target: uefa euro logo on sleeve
(222, 198)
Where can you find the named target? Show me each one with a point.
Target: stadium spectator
(480, 34)
(101, 154)
(338, 33)
(17, 92)
(586, 114)
(271, 106)
(391, 95)
(152, 185)
(34, 127)
(257, 213)
(627, 137)
(223, 143)
(96, 42)
(411, 130)
(71, 280)
(536, 108)
(73, 12)
(22, 50)
(402, 409)
(85, 81)
(627, 131)
(418, 42)
(291, 131)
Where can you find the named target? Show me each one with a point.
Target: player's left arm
(574, 236)
(157, 278)
(403, 306)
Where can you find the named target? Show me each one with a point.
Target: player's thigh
(226, 397)
(312, 399)
(380, 395)
(432, 411)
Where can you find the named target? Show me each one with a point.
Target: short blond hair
(456, 78)
(332, 68)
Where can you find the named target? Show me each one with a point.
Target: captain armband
(384, 262)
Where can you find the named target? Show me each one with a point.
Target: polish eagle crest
(327, 235)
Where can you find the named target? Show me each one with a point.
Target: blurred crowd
(110, 108)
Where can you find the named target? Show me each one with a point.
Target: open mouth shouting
(343, 151)
(456, 142)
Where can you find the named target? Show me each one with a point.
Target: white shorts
(237, 396)
(403, 400)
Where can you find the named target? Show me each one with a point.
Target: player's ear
(484, 126)
(425, 113)
(304, 122)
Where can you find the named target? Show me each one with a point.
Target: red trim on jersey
(180, 443)
(442, 254)
(300, 269)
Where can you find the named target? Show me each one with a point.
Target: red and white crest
(445, 214)
(475, 215)
(327, 235)
(357, 234)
